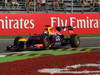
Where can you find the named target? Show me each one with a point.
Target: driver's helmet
(48, 29)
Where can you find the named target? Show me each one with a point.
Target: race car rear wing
(60, 28)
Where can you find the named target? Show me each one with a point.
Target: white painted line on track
(15, 52)
(68, 69)
(2, 55)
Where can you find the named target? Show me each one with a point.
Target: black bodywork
(44, 41)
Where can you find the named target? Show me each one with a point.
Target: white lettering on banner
(22, 23)
(58, 21)
(68, 69)
(53, 21)
(72, 21)
(8, 23)
(85, 22)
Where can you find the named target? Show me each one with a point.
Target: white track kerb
(67, 69)
(3, 55)
(7, 53)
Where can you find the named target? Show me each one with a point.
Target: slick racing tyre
(74, 41)
(9, 48)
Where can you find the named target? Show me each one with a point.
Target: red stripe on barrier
(28, 24)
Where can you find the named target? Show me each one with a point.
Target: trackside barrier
(34, 23)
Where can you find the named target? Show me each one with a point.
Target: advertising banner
(34, 23)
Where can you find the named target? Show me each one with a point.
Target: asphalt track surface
(84, 42)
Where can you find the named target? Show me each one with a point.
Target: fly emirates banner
(28, 24)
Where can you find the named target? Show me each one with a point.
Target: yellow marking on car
(23, 40)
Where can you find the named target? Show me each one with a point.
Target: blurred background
(49, 6)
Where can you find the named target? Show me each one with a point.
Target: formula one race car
(45, 41)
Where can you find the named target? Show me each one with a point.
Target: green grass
(95, 47)
(51, 52)
(59, 52)
(81, 35)
(47, 52)
(89, 35)
(13, 58)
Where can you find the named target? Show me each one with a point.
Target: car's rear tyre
(74, 41)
